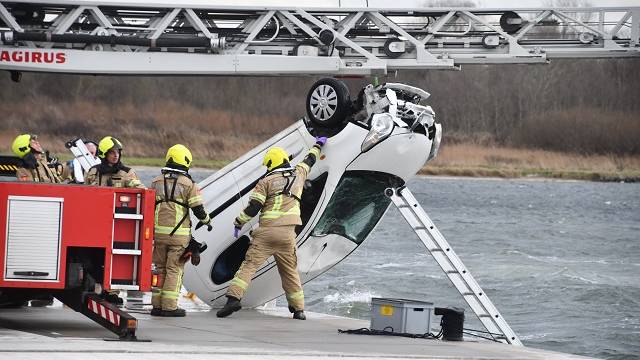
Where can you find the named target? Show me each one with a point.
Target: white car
(380, 140)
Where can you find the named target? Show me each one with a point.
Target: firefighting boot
(299, 315)
(174, 313)
(156, 312)
(230, 307)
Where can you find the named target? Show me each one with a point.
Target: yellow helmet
(22, 144)
(179, 154)
(275, 157)
(107, 143)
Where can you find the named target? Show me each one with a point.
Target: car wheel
(328, 103)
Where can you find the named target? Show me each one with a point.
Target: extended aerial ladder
(94, 37)
(103, 37)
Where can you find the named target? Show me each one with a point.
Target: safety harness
(290, 175)
(170, 173)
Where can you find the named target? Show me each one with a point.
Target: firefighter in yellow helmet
(176, 193)
(35, 164)
(277, 196)
(111, 171)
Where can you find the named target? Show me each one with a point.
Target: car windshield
(357, 205)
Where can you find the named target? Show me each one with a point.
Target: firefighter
(111, 172)
(176, 193)
(277, 195)
(35, 164)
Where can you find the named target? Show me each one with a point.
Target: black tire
(328, 103)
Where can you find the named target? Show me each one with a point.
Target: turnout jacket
(37, 168)
(115, 176)
(176, 193)
(277, 195)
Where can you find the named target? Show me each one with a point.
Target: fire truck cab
(74, 242)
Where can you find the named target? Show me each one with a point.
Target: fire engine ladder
(128, 248)
(94, 37)
(451, 264)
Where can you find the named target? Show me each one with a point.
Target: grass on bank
(472, 160)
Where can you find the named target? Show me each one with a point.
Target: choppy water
(560, 260)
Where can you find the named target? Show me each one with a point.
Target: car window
(357, 205)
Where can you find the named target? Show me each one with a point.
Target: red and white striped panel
(101, 310)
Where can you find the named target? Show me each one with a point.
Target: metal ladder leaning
(451, 264)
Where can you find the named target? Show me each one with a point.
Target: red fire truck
(73, 242)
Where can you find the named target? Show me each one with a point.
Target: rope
(492, 338)
(367, 331)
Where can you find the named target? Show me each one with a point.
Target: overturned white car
(380, 140)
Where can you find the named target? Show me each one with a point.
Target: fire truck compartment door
(33, 238)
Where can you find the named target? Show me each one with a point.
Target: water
(559, 259)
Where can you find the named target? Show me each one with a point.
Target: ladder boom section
(452, 266)
(111, 38)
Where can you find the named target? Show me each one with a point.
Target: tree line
(583, 106)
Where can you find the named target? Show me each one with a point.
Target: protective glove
(193, 251)
(321, 140)
(54, 163)
(207, 222)
(236, 232)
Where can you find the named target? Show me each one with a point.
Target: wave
(559, 260)
(387, 265)
(351, 297)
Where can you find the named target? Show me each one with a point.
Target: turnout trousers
(170, 269)
(279, 241)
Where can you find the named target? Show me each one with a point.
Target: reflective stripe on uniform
(296, 295)
(243, 217)
(166, 230)
(261, 198)
(239, 283)
(276, 214)
(277, 203)
(166, 294)
(304, 166)
(156, 292)
(179, 212)
(179, 215)
(315, 151)
(195, 199)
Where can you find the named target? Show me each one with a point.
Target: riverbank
(469, 160)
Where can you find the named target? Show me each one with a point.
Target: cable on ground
(367, 331)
